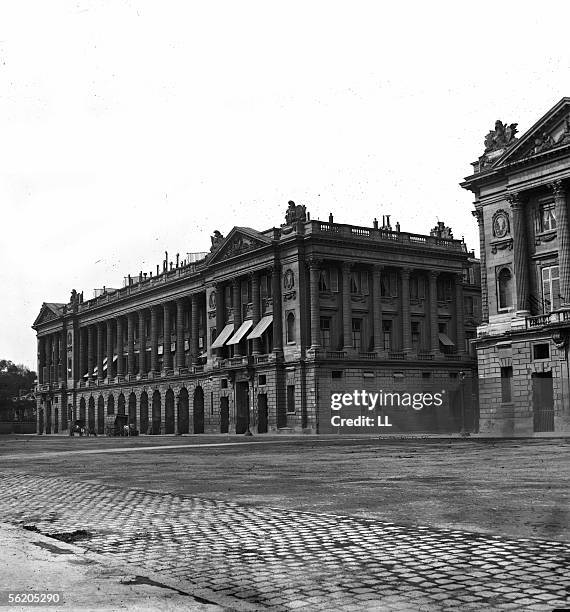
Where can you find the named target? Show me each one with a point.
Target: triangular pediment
(240, 240)
(48, 312)
(549, 133)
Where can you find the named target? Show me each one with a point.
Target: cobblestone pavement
(289, 560)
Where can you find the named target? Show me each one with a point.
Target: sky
(130, 128)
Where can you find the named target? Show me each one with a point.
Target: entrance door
(198, 410)
(224, 415)
(543, 402)
(242, 407)
(262, 413)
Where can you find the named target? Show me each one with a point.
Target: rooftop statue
(295, 212)
(501, 137)
(216, 239)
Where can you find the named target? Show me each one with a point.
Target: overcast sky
(130, 128)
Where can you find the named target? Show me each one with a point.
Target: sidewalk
(33, 563)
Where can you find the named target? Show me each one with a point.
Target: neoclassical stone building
(521, 205)
(257, 334)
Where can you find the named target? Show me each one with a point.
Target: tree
(15, 380)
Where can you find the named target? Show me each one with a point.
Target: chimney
(177, 259)
(375, 223)
(331, 219)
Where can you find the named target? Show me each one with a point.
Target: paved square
(288, 559)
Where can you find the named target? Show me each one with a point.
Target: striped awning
(224, 335)
(241, 332)
(446, 340)
(261, 327)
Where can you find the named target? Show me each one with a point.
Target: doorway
(224, 415)
(262, 413)
(543, 401)
(242, 407)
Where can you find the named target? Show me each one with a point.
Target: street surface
(308, 524)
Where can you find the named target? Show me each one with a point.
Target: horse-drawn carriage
(118, 425)
(80, 428)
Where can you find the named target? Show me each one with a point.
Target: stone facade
(521, 199)
(256, 335)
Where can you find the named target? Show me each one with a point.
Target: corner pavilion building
(521, 187)
(258, 333)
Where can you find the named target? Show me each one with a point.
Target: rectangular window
(336, 374)
(469, 305)
(364, 282)
(334, 280)
(262, 379)
(541, 351)
(416, 333)
(357, 334)
(324, 283)
(550, 288)
(354, 282)
(547, 217)
(506, 383)
(387, 334)
(326, 332)
(290, 399)
(228, 296)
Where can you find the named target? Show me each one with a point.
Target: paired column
(120, 348)
(41, 357)
(377, 307)
(82, 352)
(110, 351)
(433, 318)
(236, 292)
(519, 253)
(219, 297)
(90, 351)
(142, 343)
(478, 214)
(56, 351)
(405, 308)
(131, 343)
(277, 310)
(47, 347)
(180, 333)
(346, 307)
(314, 267)
(195, 318)
(255, 309)
(154, 339)
(166, 354)
(100, 353)
(563, 236)
(459, 318)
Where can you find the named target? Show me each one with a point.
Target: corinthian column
(120, 347)
(519, 253)
(459, 318)
(478, 214)
(405, 302)
(377, 308)
(100, 353)
(346, 307)
(179, 333)
(255, 308)
(315, 308)
(563, 236)
(154, 339)
(433, 319)
(110, 351)
(166, 354)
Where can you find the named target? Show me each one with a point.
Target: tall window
(506, 384)
(505, 286)
(290, 399)
(357, 334)
(359, 282)
(469, 304)
(444, 289)
(291, 336)
(416, 335)
(550, 288)
(547, 217)
(324, 280)
(387, 334)
(417, 291)
(325, 332)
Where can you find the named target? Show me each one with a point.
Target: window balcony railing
(400, 355)
(553, 318)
